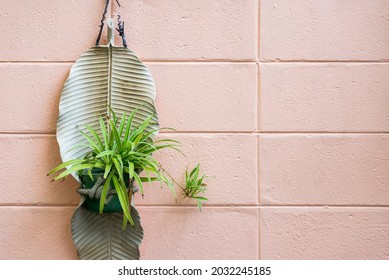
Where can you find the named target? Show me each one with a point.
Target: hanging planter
(92, 203)
(106, 132)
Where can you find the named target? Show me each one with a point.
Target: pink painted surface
(36, 233)
(212, 234)
(192, 30)
(341, 97)
(334, 169)
(324, 233)
(328, 30)
(43, 30)
(23, 92)
(25, 161)
(207, 96)
(284, 102)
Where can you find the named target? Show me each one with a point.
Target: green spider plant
(120, 150)
(195, 186)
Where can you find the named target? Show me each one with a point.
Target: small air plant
(195, 186)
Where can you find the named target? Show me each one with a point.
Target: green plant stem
(171, 177)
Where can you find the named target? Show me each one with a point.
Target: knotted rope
(120, 29)
(97, 189)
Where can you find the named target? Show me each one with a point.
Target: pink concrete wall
(285, 102)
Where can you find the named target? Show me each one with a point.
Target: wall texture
(285, 102)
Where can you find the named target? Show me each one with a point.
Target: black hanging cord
(102, 22)
(120, 29)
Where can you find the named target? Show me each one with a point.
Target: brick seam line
(229, 206)
(226, 133)
(216, 60)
